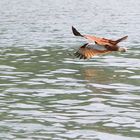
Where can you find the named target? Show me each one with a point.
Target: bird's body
(107, 45)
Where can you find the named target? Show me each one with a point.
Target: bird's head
(122, 49)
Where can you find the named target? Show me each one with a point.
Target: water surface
(47, 94)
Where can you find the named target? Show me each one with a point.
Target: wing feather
(110, 45)
(86, 51)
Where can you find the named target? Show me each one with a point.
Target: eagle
(97, 45)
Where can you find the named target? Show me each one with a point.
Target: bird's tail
(121, 39)
(75, 32)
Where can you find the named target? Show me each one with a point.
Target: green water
(47, 94)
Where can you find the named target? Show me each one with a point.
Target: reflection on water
(64, 97)
(47, 94)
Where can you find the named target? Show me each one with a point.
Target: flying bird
(102, 46)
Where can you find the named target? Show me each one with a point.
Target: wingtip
(75, 32)
(126, 36)
(73, 29)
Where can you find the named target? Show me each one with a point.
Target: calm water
(45, 94)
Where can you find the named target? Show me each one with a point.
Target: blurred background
(46, 93)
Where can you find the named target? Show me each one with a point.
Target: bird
(101, 46)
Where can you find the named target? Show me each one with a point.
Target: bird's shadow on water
(91, 74)
(99, 80)
(99, 75)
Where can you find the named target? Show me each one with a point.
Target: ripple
(118, 87)
(134, 77)
(48, 94)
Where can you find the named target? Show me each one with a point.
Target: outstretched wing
(104, 41)
(111, 44)
(98, 40)
(88, 51)
(89, 37)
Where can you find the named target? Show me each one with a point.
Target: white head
(122, 49)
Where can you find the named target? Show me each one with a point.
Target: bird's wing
(104, 41)
(88, 51)
(110, 45)
(97, 40)
(93, 38)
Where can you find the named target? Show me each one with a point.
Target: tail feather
(75, 32)
(121, 39)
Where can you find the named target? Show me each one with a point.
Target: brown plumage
(104, 45)
(87, 51)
